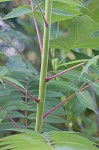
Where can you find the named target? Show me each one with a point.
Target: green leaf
(54, 119)
(13, 81)
(51, 93)
(95, 87)
(48, 141)
(80, 56)
(9, 125)
(3, 114)
(3, 71)
(93, 9)
(64, 85)
(90, 62)
(16, 105)
(95, 69)
(70, 2)
(60, 11)
(21, 10)
(75, 74)
(80, 35)
(4, 92)
(57, 14)
(86, 100)
(2, 83)
(21, 130)
(73, 62)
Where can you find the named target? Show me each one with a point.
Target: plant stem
(44, 65)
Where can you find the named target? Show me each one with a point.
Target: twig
(52, 77)
(36, 26)
(23, 91)
(17, 126)
(46, 24)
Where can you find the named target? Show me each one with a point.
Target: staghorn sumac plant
(61, 95)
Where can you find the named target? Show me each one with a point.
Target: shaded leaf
(64, 85)
(95, 87)
(4, 92)
(86, 100)
(3, 71)
(54, 119)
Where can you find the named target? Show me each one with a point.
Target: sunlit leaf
(70, 2)
(48, 141)
(80, 35)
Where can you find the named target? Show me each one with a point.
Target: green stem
(44, 65)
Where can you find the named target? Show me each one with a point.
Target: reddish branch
(46, 24)
(71, 96)
(16, 125)
(23, 91)
(36, 26)
(52, 77)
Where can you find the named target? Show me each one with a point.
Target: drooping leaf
(21, 10)
(2, 82)
(5, 92)
(95, 87)
(3, 114)
(48, 141)
(3, 71)
(80, 35)
(13, 81)
(9, 125)
(90, 62)
(86, 100)
(94, 69)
